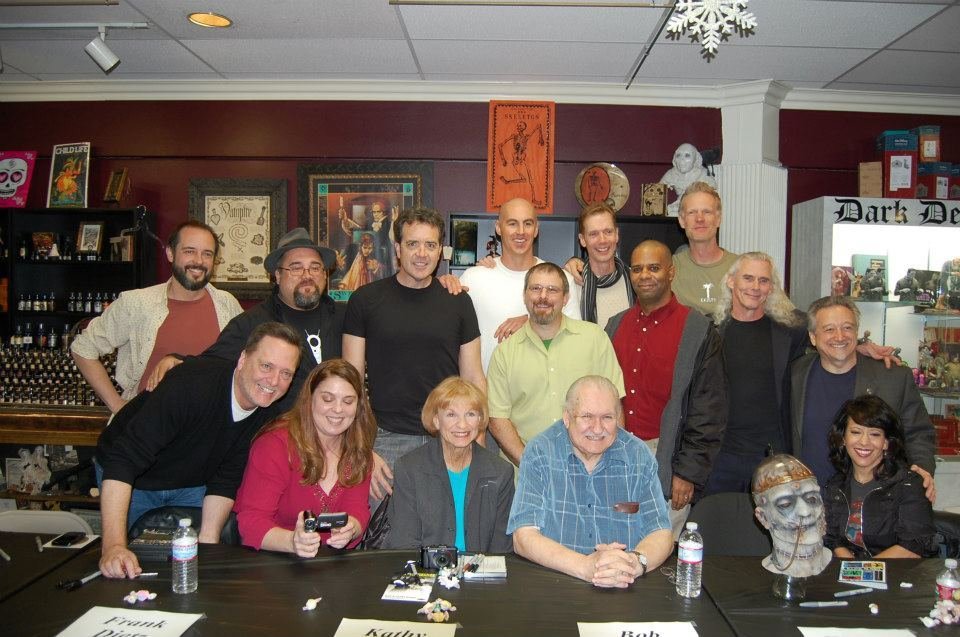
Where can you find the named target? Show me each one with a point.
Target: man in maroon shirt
(676, 396)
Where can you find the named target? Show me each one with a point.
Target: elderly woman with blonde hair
(452, 490)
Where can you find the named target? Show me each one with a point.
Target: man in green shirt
(530, 372)
(701, 267)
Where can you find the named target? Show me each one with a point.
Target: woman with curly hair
(876, 507)
(317, 457)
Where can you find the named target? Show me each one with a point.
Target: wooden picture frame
(350, 208)
(116, 186)
(90, 237)
(248, 216)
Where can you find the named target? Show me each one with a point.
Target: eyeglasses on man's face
(297, 269)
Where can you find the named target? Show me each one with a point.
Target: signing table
(243, 592)
(741, 589)
(26, 563)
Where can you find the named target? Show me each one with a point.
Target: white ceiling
(910, 46)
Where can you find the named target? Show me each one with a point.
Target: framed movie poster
(248, 216)
(350, 207)
(521, 138)
(69, 175)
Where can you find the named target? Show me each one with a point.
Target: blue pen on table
(821, 604)
(856, 591)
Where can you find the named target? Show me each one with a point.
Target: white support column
(752, 183)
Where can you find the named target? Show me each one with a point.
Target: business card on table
(413, 593)
(871, 574)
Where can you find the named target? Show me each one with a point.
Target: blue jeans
(142, 501)
(391, 446)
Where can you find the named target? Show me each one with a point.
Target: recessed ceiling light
(211, 20)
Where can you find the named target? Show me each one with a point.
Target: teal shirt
(458, 484)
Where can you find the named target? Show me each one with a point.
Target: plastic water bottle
(689, 561)
(185, 558)
(948, 584)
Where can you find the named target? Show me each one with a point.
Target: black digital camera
(323, 522)
(437, 557)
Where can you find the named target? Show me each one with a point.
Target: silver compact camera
(437, 557)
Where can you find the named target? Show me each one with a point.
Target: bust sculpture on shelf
(687, 169)
(789, 505)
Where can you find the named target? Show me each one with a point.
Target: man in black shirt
(186, 442)
(762, 334)
(409, 334)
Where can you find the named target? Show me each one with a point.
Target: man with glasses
(409, 334)
(676, 397)
(701, 267)
(299, 299)
(530, 372)
(588, 502)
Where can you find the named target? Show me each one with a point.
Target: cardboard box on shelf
(898, 149)
(929, 142)
(870, 177)
(933, 180)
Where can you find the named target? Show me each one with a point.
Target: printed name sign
(637, 629)
(377, 628)
(101, 621)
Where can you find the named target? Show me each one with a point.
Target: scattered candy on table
(906, 585)
(874, 609)
(447, 577)
(945, 611)
(139, 596)
(437, 611)
(311, 603)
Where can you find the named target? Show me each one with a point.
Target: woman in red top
(317, 456)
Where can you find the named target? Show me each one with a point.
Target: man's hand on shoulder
(118, 561)
(510, 327)
(160, 370)
(574, 266)
(451, 284)
(487, 262)
(883, 353)
(930, 487)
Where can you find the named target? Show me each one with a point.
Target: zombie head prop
(790, 507)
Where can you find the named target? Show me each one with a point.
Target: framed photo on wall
(248, 216)
(350, 207)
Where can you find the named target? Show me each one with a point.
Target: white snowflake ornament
(710, 19)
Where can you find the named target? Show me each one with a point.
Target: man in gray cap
(299, 299)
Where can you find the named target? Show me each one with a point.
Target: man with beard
(530, 372)
(676, 393)
(184, 314)
(300, 268)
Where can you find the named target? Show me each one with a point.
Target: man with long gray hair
(762, 334)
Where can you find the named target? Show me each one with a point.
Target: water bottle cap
(185, 522)
(950, 563)
(692, 526)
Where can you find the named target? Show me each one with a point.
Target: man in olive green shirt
(530, 372)
(701, 267)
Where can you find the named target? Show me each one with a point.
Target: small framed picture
(90, 237)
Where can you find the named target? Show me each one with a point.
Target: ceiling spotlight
(210, 20)
(101, 54)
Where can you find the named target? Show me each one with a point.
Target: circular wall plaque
(602, 182)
